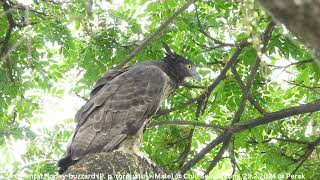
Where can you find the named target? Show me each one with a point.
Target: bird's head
(184, 67)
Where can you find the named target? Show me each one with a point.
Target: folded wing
(118, 109)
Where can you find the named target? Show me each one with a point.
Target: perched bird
(121, 104)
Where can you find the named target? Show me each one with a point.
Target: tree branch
(306, 155)
(232, 61)
(147, 40)
(291, 141)
(299, 63)
(236, 117)
(270, 117)
(11, 23)
(81, 97)
(266, 37)
(218, 156)
(242, 86)
(225, 137)
(254, 141)
(183, 157)
(188, 85)
(216, 41)
(238, 127)
(251, 77)
(167, 111)
(24, 8)
(206, 93)
(304, 86)
(222, 137)
(232, 158)
(182, 122)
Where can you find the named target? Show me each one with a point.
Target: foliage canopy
(53, 51)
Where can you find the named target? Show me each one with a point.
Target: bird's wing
(119, 109)
(107, 77)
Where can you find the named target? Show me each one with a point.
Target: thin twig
(266, 37)
(202, 153)
(183, 157)
(306, 155)
(182, 122)
(188, 85)
(242, 86)
(302, 85)
(292, 140)
(233, 158)
(147, 40)
(236, 117)
(81, 97)
(224, 71)
(299, 63)
(216, 62)
(216, 41)
(167, 111)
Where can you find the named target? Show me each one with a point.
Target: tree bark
(113, 165)
(300, 17)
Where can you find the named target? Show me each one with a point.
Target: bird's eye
(189, 66)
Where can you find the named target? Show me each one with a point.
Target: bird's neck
(172, 70)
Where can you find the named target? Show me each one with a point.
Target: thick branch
(218, 156)
(232, 61)
(146, 41)
(203, 152)
(238, 127)
(270, 117)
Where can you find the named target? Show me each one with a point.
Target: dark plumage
(121, 103)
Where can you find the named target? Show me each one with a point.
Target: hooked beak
(196, 75)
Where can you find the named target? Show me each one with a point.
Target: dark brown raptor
(121, 104)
